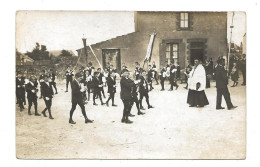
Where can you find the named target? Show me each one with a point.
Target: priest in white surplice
(197, 85)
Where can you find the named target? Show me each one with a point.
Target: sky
(63, 30)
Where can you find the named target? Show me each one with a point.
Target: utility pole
(85, 48)
(229, 48)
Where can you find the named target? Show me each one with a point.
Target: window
(172, 52)
(184, 20)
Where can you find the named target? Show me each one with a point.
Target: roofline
(131, 33)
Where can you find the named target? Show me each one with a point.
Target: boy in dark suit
(101, 78)
(221, 84)
(125, 95)
(76, 99)
(143, 90)
(47, 94)
(69, 74)
(172, 77)
(41, 81)
(150, 77)
(97, 88)
(20, 90)
(111, 83)
(163, 77)
(134, 94)
(52, 78)
(32, 90)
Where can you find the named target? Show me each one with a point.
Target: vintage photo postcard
(130, 85)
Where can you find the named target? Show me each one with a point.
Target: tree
(65, 53)
(39, 52)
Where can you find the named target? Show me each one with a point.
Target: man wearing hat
(125, 95)
(77, 99)
(221, 85)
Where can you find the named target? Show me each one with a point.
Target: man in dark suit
(76, 98)
(52, 80)
(243, 68)
(69, 74)
(125, 95)
(97, 88)
(20, 90)
(221, 85)
(172, 77)
(32, 90)
(111, 83)
(143, 90)
(47, 94)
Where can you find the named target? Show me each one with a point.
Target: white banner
(149, 48)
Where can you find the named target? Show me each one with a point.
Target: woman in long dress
(197, 86)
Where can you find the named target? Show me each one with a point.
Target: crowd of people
(134, 86)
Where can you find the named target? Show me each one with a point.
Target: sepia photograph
(130, 84)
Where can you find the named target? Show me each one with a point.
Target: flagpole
(229, 49)
(96, 57)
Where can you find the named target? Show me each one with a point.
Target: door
(196, 51)
(111, 57)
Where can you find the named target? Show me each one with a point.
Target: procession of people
(135, 86)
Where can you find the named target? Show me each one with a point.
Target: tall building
(179, 37)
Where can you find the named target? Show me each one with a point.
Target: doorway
(111, 57)
(196, 51)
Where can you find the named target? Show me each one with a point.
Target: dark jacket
(52, 76)
(47, 90)
(126, 85)
(95, 84)
(69, 74)
(111, 82)
(100, 77)
(20, 87)
(143, 88)
(221, 77)
(150, 75)
(29, 88)
(172, 74)
(76, 95)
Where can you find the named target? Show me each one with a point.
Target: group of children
(29, 86)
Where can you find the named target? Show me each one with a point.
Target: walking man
(221, 84)
(76, 99)
(125, 95)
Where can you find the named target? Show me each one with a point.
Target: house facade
(180, 37)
